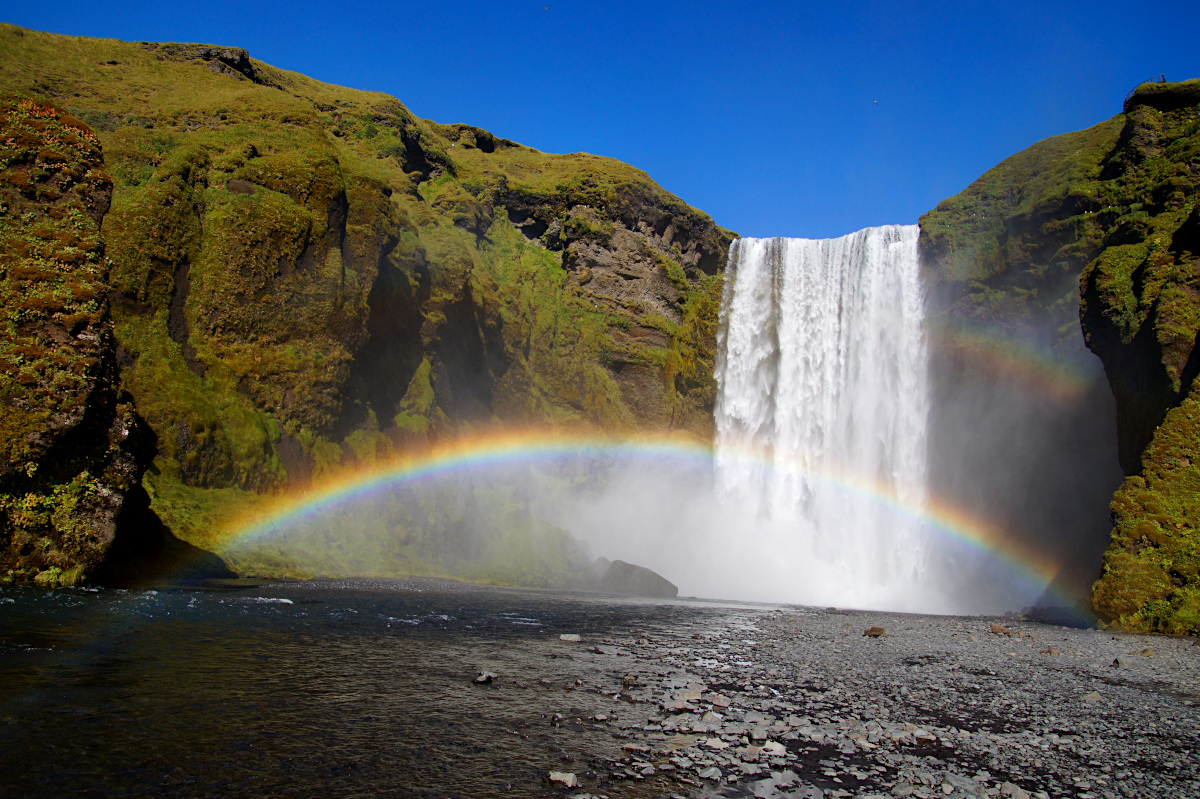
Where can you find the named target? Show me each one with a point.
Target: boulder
(626, 578)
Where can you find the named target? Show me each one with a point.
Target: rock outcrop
(627, 578)
(72, 447)
(306, 279)
(1104, 220)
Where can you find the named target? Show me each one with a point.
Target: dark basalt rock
(1165, 96)
(72, 447)
(232, 61)
(626, 578)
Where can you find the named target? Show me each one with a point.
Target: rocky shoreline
(797, 702)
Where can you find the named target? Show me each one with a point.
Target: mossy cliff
(1106, 220)
(71, 446)
(301, 278)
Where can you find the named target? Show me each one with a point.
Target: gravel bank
(801, 703)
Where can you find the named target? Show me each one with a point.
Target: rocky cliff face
(1100, 221)
(300, 279)
(1141, 315)
(71, 445)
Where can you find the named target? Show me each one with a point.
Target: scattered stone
(732, 708)
(1013, 791)
(1000, 629)
(565, 777)
(874, 632)
(485, 678)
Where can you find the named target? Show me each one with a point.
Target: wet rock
(1013, 791)
(626, 578)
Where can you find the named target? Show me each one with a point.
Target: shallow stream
(334, 689)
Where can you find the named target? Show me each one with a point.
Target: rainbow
(530, 447)
(1050, 375)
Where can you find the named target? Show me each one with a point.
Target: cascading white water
(823, 405)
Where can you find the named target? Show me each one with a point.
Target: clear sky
(778, 119)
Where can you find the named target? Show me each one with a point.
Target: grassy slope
(255, 222)
(1110, 213)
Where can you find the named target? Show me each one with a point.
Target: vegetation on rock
(306, 279)
(71, 445)
(1107, 217)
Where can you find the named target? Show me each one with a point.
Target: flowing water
(354, 688)
(823, 405)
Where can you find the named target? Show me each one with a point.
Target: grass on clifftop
(258, 214)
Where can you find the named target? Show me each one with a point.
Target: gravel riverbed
(372, 688)
(799, 702)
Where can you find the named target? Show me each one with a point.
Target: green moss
(200, 516)
(1110, 205)
(1152, 569)
(251, 224)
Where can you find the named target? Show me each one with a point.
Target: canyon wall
(1087, 238)
(296, 280)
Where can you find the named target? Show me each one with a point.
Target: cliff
(297, 279)
(1104, 221)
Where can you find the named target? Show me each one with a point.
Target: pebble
(787, 704)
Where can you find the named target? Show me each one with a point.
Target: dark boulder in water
(626, 578)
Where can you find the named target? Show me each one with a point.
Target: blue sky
(763, 114)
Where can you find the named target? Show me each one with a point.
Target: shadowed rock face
(307, 279)
(626, 578)
(1102, 221)
(71, 446)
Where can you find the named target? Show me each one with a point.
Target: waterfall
(822, 408)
